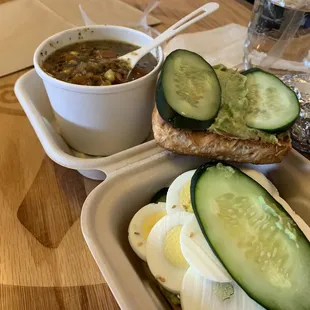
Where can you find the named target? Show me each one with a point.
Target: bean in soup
(94, 63)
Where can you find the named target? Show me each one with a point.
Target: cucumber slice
(160, 196)
(254, 237)
(273, 107)
(188, 91)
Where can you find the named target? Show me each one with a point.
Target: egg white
(136, 237)
(173, 195)
(302, 225)
(198, 293)
(199, 255)
(167, 274)
(262, 180)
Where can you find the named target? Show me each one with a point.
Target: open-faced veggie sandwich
(221, 113)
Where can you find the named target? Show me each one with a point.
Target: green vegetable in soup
(95, 63)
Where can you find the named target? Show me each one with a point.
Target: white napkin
(220, 45)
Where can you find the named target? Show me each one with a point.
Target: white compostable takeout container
(109, 208)
(100, 120)
(133, 177)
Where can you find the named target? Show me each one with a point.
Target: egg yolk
(172, 248)
(185, 197)
(150, 221)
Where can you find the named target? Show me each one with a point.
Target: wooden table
(44, 261)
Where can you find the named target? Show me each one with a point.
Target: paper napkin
(220, 45)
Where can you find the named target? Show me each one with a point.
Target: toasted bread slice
(216, 146)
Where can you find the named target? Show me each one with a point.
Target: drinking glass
(278, 41)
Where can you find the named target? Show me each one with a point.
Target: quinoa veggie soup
(94, 63)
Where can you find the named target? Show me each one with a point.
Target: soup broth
(94, 63)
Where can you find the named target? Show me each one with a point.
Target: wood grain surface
(44, 261)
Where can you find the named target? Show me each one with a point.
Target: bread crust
(216, 146)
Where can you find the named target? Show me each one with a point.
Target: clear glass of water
(278, 41)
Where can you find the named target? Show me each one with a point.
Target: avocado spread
(231, 118)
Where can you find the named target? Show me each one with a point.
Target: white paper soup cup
(100, 120)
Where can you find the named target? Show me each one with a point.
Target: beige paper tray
(109, 208)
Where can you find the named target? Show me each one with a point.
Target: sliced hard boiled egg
(262, 180)
(142, 224)
(199, 293)
(178, 195)
(199, 255)
(163, 251)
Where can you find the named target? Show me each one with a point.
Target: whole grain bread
(217, 146)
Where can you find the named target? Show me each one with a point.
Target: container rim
(95, 89)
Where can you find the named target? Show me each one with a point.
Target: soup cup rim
(94, 89)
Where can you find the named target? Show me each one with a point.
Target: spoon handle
(182, 24)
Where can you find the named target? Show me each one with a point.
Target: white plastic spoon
(133, 57)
